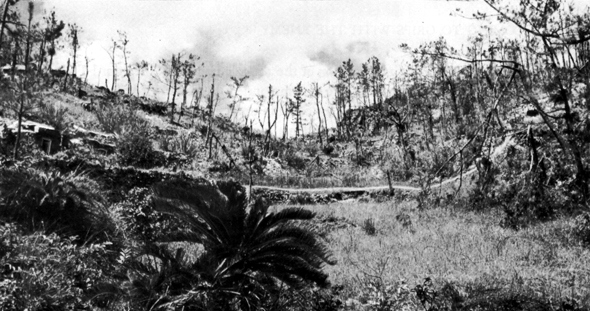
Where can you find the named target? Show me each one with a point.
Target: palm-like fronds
(248, 251)
(51, 201)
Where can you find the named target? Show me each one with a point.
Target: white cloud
(275, 42)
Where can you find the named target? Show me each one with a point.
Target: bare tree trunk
(317, 103)
(28, 46)
(20, 118)
(138, 77)
(41, 54)
(114, 82)
(298, 127)
(186, 82)
(276, 115)
(210, 125)
(535, 162)
(210, 110)
(24, 86)
(389, 182)
(127, 73)
(75, 48)
(269, 129)
(66, 76)
(325, 119)
(286, 112)
(460, 173)
(175, 88)
(86, 77)
(74, 63)
(51, 56)
(250, 161)
(198, 95)
(20, 121)
(3, 22)
(169, 84)
(14, 57)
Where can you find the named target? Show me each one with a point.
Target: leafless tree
(123, 41)
(73, 34)
(234, 96)
(140, 66)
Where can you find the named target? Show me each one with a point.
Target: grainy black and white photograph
(258, 155)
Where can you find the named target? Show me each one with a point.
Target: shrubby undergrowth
(50, 272)
(181, 244)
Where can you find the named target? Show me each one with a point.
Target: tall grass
(76, 113)
(469, 250)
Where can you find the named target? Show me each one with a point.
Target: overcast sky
(274, 42)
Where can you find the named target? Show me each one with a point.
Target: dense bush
(117, 118)
(525, 198)
(7, 140)
(184, 143)
(328, 149)
(294, 160)
(54, 115)
(582, 227)
(48, 200)
(133, 143)
(135, 148)
(139, 219)
(248, 152)
(47, 272)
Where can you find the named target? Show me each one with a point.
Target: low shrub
(135, 148)
(118, 118)
(376, 294)
(404, 220)
(7, 140)
(369, 226)
(328, 149)
(184, 143)
(527, 201)
(138, 218)
(55, 115)
(295, 161)
(582, 228)
(301, 199)
(218, 166)
(311, 149)
(315, 298)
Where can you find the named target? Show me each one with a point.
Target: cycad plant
(52, 201)
(248, 254)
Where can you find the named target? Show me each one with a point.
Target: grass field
(472, 261)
